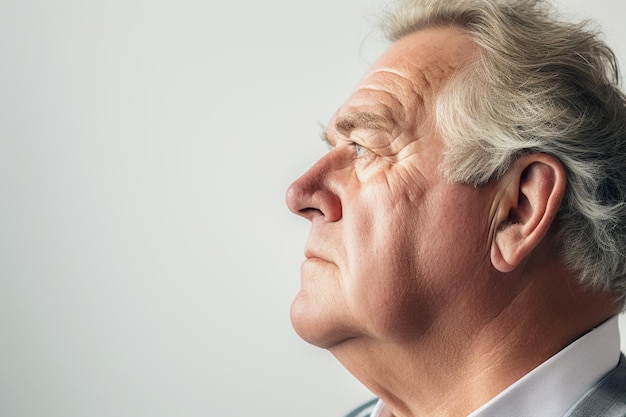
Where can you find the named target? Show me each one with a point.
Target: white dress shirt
(552, 388)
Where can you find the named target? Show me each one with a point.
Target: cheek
(461, 220)
(457, 253)
(413, 255)
(385, 285)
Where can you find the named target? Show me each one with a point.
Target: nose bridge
(317, 175)
(314, 192)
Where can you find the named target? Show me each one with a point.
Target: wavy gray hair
(539, 84)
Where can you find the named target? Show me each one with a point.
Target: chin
(316, 325)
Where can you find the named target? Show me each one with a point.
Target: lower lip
(312, 269)
(312, 262)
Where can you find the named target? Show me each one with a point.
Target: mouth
(312, 269)
(310, 254)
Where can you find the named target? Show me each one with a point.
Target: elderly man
(468, 226)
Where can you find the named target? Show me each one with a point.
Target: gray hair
(539, 84)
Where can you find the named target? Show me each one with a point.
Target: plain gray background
(147, 259)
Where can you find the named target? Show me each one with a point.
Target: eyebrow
(361, 120)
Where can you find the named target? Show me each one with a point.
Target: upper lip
(311, 253)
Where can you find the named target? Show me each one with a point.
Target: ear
(529, 196)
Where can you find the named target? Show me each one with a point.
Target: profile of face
(393, 246)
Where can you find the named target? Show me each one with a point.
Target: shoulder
(607, 398)
(364, 410)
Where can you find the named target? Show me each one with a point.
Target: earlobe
(531, 194)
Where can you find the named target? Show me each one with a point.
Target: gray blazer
(606, 399)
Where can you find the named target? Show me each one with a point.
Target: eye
(360, 150)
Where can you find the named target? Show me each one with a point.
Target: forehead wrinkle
(406, 89)
(416, 80)
(389, 108)
(397, 77)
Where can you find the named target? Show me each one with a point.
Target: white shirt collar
(553, 387)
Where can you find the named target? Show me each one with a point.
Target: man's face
(393, 247)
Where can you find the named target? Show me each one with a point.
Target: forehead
(430, 55)
(411, 71)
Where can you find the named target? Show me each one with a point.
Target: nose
(312, 196)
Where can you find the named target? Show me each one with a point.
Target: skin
(409, 277)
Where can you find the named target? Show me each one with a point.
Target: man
(468, 226)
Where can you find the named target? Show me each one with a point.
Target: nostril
(311, 196)
(310, 212)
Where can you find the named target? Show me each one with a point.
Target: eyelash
(360, 150)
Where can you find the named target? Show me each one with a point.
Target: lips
(314, 254)
(310, 254)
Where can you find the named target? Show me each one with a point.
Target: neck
(473, 353)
